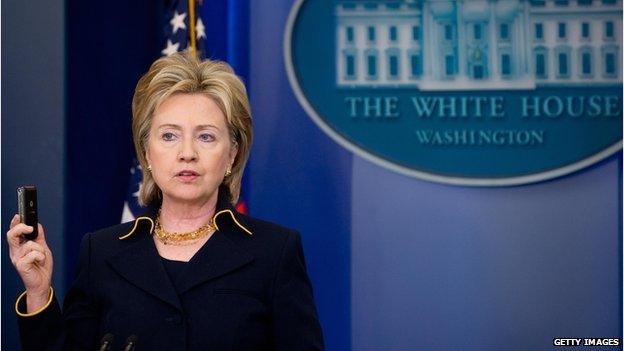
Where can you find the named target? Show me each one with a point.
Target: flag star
(171, 48)
(136, 194)
(177, 22)
(201, 30)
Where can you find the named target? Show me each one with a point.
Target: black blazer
(246, 289)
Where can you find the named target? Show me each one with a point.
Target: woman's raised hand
(33, 261)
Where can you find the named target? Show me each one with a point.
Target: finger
(14, 234)
(19, 252)
(29, 246)
(14, 221)
(27, 262)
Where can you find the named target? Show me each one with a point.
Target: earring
(149, 168)
(228, 172)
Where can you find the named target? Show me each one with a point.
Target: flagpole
(191, 5)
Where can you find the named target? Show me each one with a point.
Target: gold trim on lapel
(136, 223)
(214, 221)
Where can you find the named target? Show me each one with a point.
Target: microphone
(130, 343)
(106, 342)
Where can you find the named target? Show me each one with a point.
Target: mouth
(187, 176)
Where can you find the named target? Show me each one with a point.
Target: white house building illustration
(478, 44)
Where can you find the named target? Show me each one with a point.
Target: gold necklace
(187, 238)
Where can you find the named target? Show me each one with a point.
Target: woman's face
(189, 148)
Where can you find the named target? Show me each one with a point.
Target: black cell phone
(27, 207)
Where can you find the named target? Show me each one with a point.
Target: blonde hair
(182, 73)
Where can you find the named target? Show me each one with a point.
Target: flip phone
(27, 208)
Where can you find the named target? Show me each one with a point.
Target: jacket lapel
(140, 264)
(219, 256)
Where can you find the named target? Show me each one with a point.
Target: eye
(168, 136)
(206, 137)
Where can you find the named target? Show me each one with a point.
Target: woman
(192, 273)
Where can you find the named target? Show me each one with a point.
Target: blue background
(397, 263)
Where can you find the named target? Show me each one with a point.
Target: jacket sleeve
(74, 328)
(296, 326)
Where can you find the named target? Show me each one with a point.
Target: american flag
(178, 30)
(177, 37)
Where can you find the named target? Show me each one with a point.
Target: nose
(187, 151)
